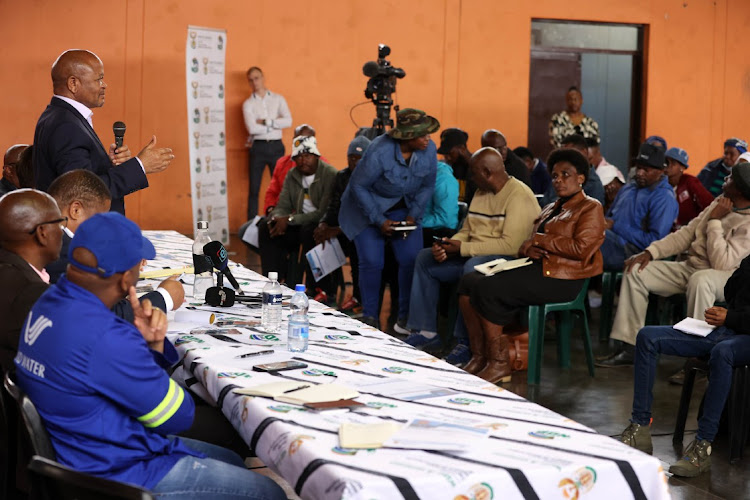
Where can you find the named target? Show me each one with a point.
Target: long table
(531, 451)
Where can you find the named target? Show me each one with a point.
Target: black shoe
(370, 321)
(623, 357)
(679, 377)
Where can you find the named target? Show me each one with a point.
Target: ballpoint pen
(259, 353)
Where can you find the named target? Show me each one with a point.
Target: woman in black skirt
(564, 247)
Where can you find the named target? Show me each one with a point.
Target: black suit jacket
(64, 141)
(21, 287)
(515, 166)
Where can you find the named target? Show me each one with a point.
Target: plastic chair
(737, 410)
(8, 447)
(36, 433)
(609, 286)
(537, 315)
(55, 481)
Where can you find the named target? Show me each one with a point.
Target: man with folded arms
(99, 382)
(716, 242)
(500, 218)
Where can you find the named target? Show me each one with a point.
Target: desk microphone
(222, 296)
(218, 255)
(119, 129)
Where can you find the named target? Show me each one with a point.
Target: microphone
(225, 297)
(119, 129)
(370, 69)
(218, 255)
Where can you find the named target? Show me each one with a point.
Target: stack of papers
(366, 435)
(424, 434)
(500, 265)
(300, 393)
(694, 326)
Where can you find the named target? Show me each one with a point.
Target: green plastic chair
(610, 279)
(537, 315)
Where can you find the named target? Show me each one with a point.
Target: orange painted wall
(467, 62)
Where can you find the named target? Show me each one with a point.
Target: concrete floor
(604, 402)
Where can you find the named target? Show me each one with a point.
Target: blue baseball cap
(678, 154)
(116, 242)
(658, 139)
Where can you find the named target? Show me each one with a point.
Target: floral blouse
(561, 126)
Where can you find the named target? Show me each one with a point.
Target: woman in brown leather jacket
(564, 247)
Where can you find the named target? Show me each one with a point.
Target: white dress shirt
(272, 108)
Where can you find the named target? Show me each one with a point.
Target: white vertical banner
(205, 63)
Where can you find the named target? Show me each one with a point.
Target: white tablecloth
(532, 452)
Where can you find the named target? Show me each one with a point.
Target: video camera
(380, 87)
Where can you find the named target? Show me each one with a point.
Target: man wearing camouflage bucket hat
(392, 183)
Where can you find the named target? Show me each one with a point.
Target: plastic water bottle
(299, 324)
(270, 318)
(204, 277)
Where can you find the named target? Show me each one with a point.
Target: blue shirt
(381, 179)
(442, 209)
(104, 397)
(643, 215)
(540, 179)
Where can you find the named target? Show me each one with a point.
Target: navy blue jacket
(64, 141)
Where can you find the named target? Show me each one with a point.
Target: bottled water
(270, 319)
(299, 324)
(204, 277)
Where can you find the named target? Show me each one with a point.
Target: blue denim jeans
(425, 288)
(726, 350)
(370, 245)
(221, 475)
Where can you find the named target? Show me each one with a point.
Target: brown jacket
(572, 238)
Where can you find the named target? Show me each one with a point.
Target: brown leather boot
(478, 359)
(498, 367)
(476, 337)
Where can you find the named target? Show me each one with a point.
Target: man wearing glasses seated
(31, 228)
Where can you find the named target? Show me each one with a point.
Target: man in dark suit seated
(80, 195)
(30, 237)
(10, 181)
(65, 139)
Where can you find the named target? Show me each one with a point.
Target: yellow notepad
(300, 393)
(500, 265)
(165, 273)
(366, 435)
(318, 394)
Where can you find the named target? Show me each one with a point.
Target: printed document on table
(251, 233)
(694, 326)
(426, 434)
(405, 390)
(323, 261)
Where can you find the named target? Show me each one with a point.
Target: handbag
(518, 350)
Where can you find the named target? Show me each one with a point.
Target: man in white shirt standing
(266, 115)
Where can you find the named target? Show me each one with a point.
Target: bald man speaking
(65, 140)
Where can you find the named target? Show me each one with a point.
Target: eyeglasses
(63, 221)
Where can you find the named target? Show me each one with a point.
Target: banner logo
(581, 483)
